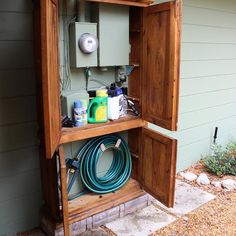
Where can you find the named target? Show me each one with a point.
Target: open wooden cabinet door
(157, 165)
(161, 63)
(47, 72)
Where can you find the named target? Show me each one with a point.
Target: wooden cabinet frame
(137, 3)
(153, 85)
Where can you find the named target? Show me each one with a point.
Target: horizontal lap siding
(20, 197)
(208, 78)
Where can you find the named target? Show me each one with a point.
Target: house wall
(208, 78)
(207, 99)
(20, 193)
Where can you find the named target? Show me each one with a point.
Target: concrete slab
(187, 198)
(95, 232)
(141, 223)
(156, 216)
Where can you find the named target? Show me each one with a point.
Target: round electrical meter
(88, 43)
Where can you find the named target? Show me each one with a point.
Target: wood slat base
(94, 130)
(91, 204)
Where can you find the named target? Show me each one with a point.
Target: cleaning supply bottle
(97, 109)
(114, 97)
(80, 112)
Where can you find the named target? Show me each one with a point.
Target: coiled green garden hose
(119, 171)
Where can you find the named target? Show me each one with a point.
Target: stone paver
(95, 232)
(187, 198)
(156, 216)
(141, 223)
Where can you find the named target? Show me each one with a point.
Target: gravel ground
(216, 218)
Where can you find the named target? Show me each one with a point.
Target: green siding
(20, 188)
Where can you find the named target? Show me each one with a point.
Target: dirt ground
(216, 218)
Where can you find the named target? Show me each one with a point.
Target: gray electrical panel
(113, 34)
(79, 59)
(68, 98)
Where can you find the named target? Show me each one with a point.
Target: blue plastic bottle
(80, 112)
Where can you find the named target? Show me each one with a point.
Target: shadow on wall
(20, 188)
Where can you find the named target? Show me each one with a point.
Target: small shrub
(222, 161)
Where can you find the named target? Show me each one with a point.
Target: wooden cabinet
(138, 3)
(153, 86)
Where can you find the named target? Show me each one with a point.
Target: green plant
(222, 161)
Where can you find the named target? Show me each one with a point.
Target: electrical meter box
(78, 58)
(113, 33)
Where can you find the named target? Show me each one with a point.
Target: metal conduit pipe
(81, 10)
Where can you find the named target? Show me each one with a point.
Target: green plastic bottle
(97, 109)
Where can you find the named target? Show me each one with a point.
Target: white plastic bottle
(113, 108)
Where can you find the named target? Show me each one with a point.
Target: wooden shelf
(90, 204)
(93, 130)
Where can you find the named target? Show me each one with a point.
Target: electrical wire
(67, 74)
(65, 71)
(117, 174)
(88, 76)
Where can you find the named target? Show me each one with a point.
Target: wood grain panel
(158, 165)
(93, 130)
(90, 204)
(50, 75)
(49, 179)
(134, 141)
(135, 37)
(161, 59)
(46, 81)
(138, 3)
(64, 194)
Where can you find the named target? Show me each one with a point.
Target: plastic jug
(97, 109)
